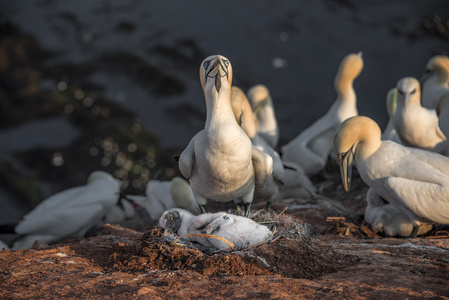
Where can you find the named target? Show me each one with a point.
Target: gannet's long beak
(346, 163)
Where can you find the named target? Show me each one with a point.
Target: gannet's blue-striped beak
(346, 163)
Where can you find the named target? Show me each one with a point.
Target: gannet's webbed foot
(247, 209)
(202, 209)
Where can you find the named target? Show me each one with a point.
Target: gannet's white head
(409, 91)
(349, 69)
(437, 67)
(359, 136)
(392, 98)
(243, 112)
(216, 74)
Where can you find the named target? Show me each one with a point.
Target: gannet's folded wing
(62, 222)
(187, 159)
(425, 199)
(263, 165)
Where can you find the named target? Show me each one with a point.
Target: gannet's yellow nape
(358, 135)
(435, 81)
(264, 113)
(438, 66)
(349, 69)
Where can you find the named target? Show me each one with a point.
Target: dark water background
(114, 85)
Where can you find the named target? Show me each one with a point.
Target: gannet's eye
(206, 64)
(412, 92)
(401, 92)
(226, 63)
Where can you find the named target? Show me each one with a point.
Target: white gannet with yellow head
(416, 126)
(415, 181)
(244, 116)
(311, 148)
(443, 123)
(220, 161)
(277, 186)
(263, 110)
(435, 82)
(389, 132)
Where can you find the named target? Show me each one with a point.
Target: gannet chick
(443, 123)
(417, 126)
(220, 162)
(415, 181)
(70, 213)
(244, 116)
(435, 81)
(311, 148)
(241, 232)
(264, 113)
(385, 217)
(389, 132)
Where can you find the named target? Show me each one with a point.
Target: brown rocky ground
(341, 259)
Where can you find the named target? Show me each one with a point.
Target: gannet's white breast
(417, 126)
(223, 169)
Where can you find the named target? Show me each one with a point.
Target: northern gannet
(263, 109)
(220, 162)
(385, 217)
(415, 181)
(389, 132)
(443, 123)
(435, 82)
(241, 232)
(416, 126)
(244, 116)
(70, 213)
(311, 148)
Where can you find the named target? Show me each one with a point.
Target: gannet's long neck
(219, 109)
(345, 90)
